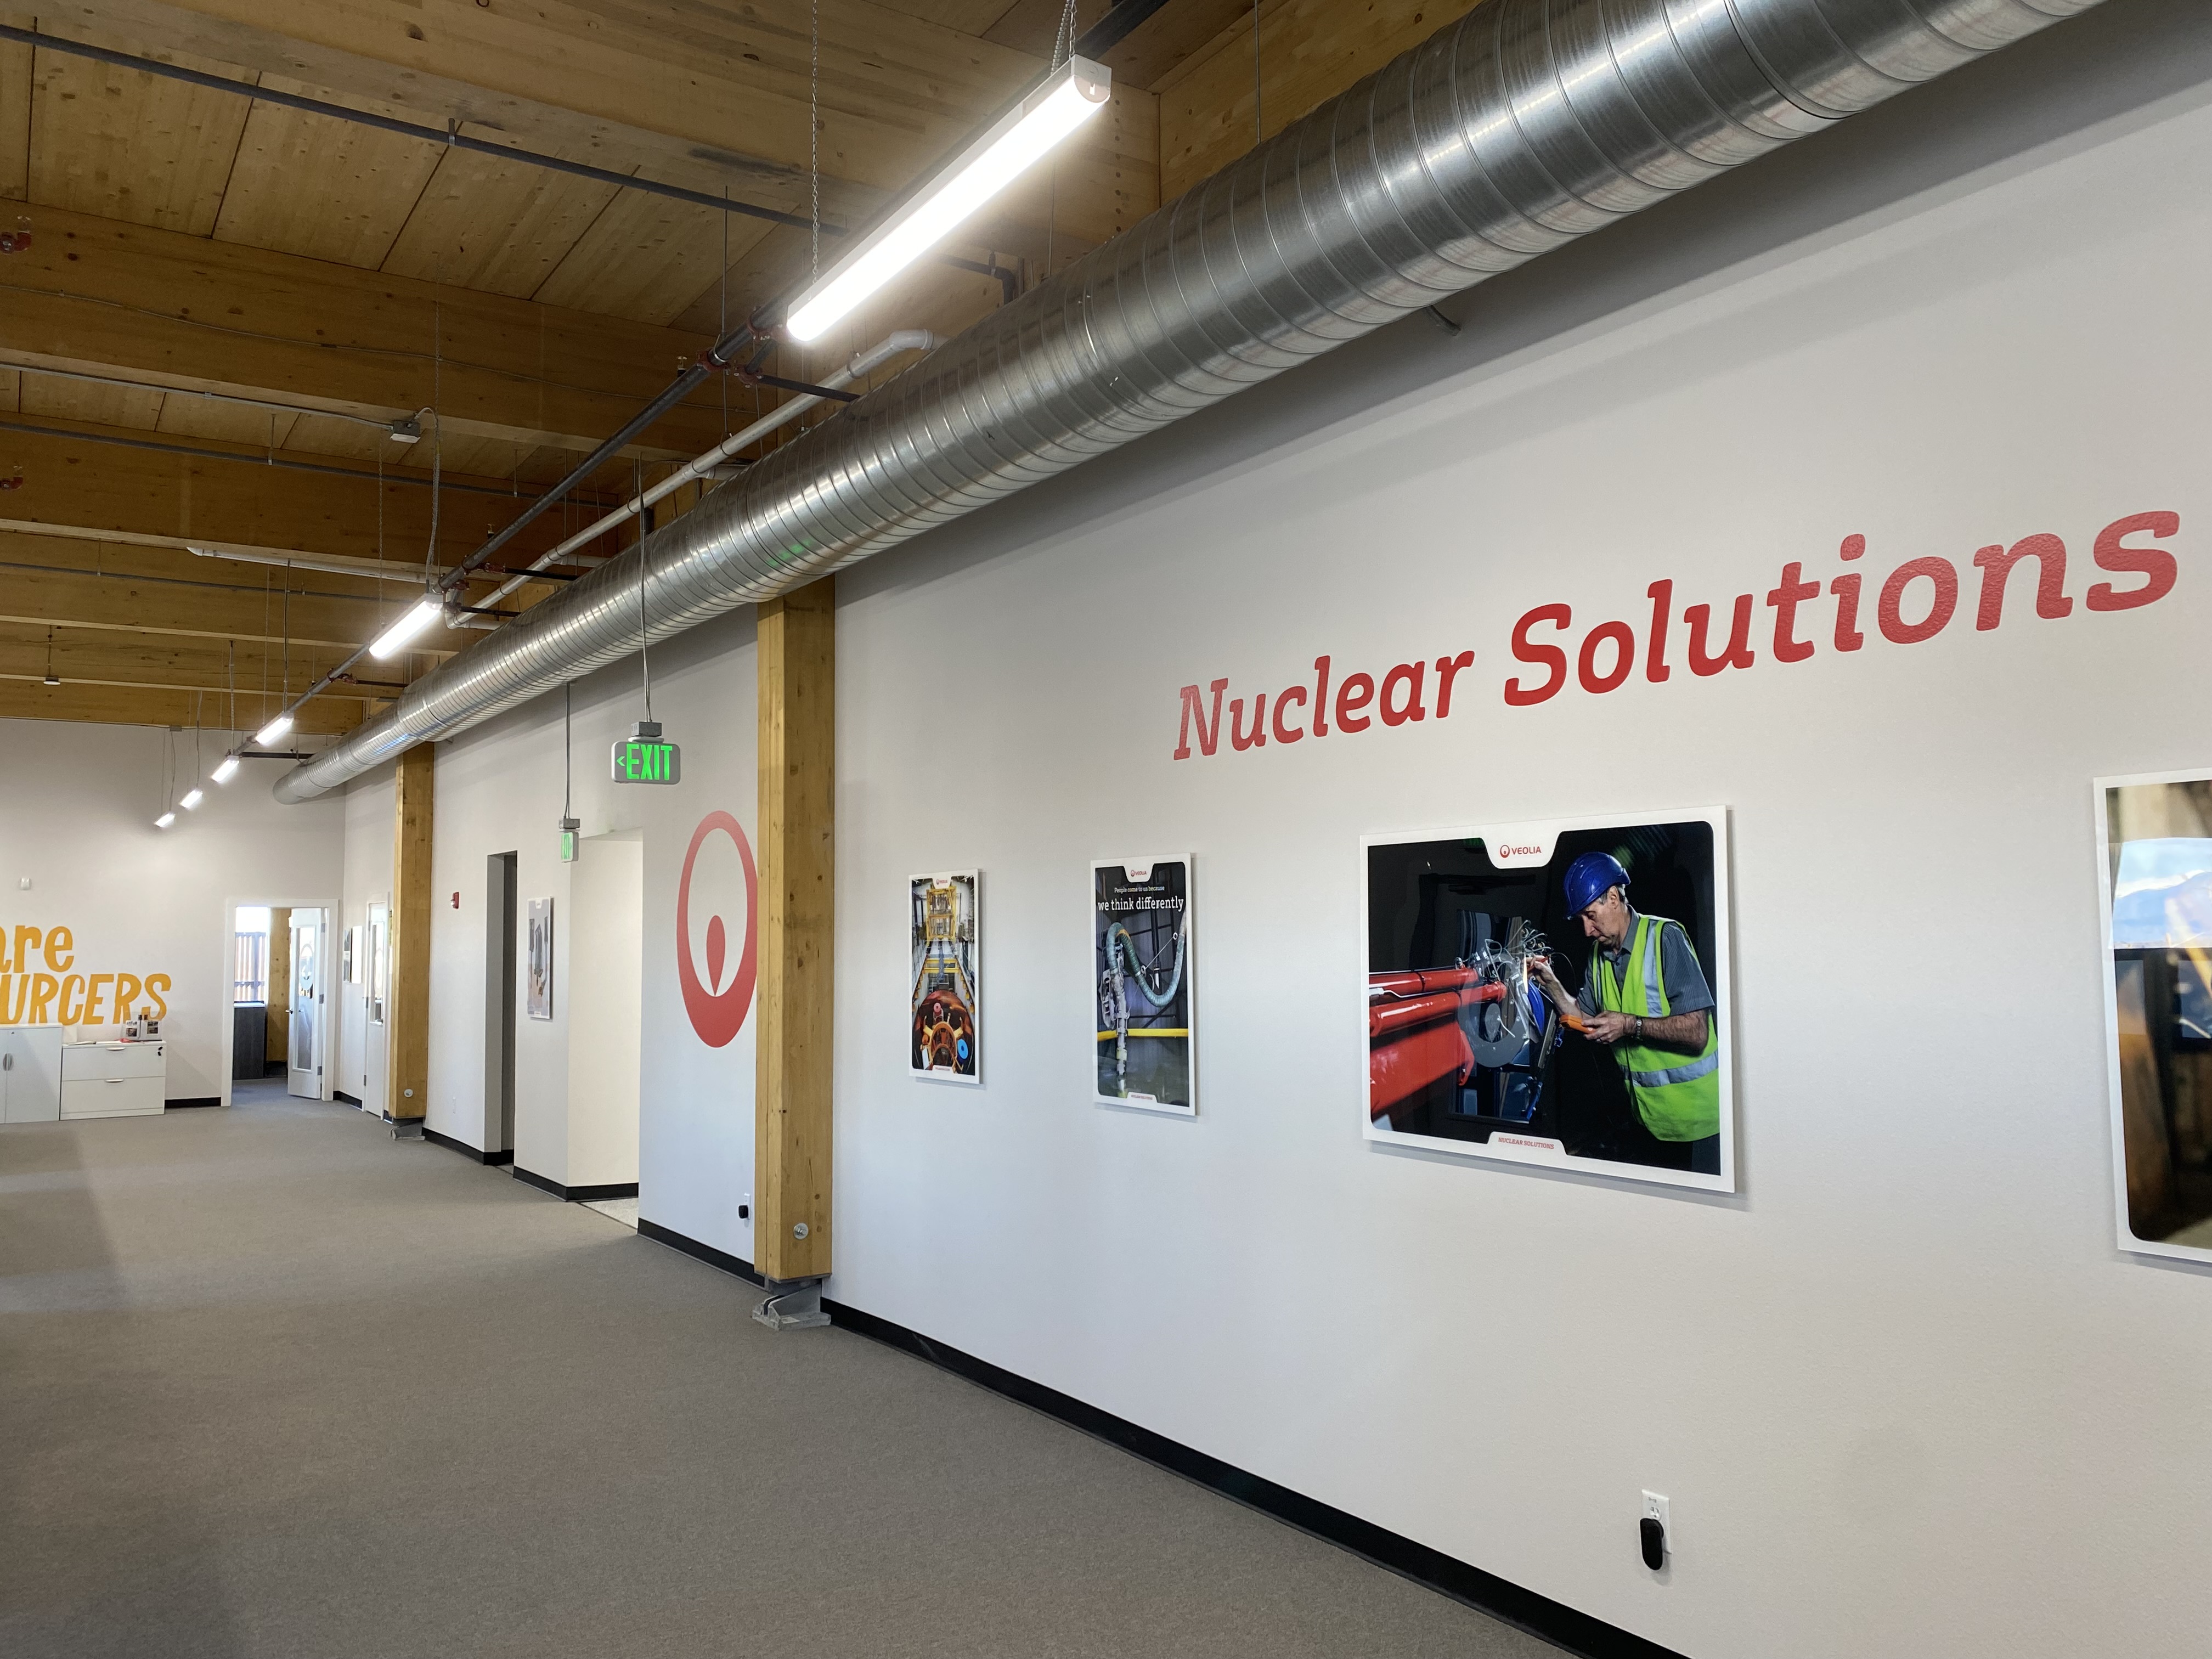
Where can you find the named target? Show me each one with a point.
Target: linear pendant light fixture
(1069, 96)
(275, 729)
(391, 642)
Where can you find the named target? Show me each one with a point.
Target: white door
(375, 1049)
(310, 1007)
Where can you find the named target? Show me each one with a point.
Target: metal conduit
(1525, 124)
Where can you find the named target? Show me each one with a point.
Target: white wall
(606, 968)
(499, 788)
(77, 821)
(1903, 1392)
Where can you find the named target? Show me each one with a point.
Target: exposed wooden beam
(14, 119)
(792, 1044)
(101, 296)
(78, 584)
(408, 1072)
(1309, 51)
(252, 677)
(111, 705)
(80, 482)
(707, 97)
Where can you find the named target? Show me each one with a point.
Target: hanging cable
(814, 131)
(644, 656)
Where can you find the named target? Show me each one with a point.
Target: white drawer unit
(30, 1073)
(114, 1079)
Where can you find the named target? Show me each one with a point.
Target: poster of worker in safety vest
(2155, 869)
(1555, 992)
(1140, 938)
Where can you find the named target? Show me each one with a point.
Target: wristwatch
(1640, 1027)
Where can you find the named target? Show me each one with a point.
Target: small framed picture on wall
(944, 1042)
(538, 960)
(1141, 935)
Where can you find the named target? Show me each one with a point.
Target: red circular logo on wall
(718, 1011)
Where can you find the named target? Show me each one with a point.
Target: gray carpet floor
(272, 1384)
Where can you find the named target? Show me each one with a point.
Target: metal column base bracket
(792, 1304)
(407, 1129)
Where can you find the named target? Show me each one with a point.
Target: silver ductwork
(1525, 124)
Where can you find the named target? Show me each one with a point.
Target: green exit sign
(645, 757)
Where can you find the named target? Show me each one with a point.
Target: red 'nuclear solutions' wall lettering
(1915, 603)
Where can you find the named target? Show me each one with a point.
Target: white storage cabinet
(114, 1079)
(30, 1073)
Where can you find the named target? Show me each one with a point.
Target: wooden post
(797, 775)
(407, 1091)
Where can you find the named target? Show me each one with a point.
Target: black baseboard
(454, 1144)
(353, 1100)
(707, 1253)
(575, 1195)
(273, 1069)
(1554, 1621)
(192, 1100)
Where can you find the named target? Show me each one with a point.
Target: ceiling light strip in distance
(1070, 96)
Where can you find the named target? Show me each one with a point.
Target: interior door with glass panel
(304, 1064)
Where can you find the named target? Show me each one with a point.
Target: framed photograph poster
(1555, 992)
(945, 1038)
(1140, 935)
(2154, 895)
(537, 961)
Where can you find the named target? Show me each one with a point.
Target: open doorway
(501, 924)
(279, 998)
(376, 977)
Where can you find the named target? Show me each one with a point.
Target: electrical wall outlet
(745, 1209)
(1656, 1538)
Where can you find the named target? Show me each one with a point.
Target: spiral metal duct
(1524, 126)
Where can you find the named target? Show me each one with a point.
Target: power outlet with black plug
(1652, 1531)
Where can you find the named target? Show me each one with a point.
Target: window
(250, 969)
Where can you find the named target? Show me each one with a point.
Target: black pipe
(716, 356)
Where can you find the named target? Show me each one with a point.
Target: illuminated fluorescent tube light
(393, 640)
(225, 770)
(275, 729)
(1073, 94)
(164, 820)
(192, 798)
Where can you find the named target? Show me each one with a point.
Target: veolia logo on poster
(719, 880)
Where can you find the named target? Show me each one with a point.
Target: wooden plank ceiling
(223, 302)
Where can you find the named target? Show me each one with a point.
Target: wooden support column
(798, 776)
(407, 1093)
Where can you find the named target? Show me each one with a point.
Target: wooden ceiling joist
(172, 309)
(136, 705)
(81, 477)
(713, 98)
(69, 584)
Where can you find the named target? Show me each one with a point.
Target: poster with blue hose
(1140, 953)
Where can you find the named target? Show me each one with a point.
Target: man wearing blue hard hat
(1645, 998)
